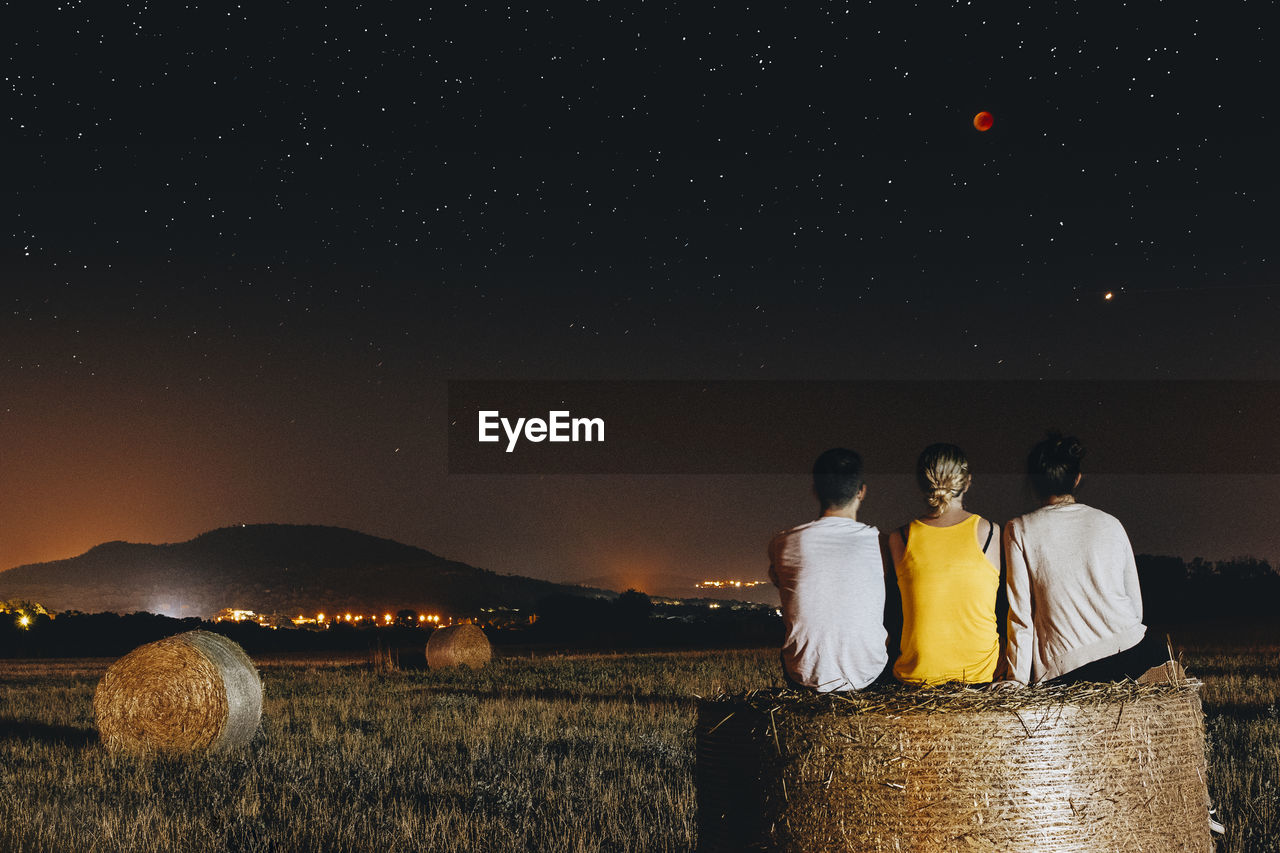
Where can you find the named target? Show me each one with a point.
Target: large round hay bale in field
(194, 691)
(458, 645)
(1090, 767)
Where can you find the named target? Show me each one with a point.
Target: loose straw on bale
(458, 645)
(195, 691)
(1070, 769)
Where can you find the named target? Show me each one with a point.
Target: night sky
(246, 248)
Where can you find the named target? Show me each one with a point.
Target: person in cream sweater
(1075, 609)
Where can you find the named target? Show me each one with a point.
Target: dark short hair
(837, 477)
(1054, 465)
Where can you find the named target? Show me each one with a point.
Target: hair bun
(942, 472)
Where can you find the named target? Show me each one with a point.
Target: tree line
(1242, 590)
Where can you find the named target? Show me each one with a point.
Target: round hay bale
(1088, 767)
(458, 645)
(194, 691)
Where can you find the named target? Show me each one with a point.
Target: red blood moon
(983, 121)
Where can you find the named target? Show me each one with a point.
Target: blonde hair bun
(942, 472)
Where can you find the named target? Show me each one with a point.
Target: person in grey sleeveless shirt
(830, 578)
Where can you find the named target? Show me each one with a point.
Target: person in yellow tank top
(947, 563)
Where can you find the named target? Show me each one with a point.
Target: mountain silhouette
(272, 568)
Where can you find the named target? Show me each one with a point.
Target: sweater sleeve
(1020, 646)
(1131, 587)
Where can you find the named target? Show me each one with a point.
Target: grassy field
(552, 754)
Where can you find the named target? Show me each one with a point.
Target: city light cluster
(499, 617)
(323, 621)
(728, 584)
(231, 614)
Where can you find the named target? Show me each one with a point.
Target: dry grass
(557, 754)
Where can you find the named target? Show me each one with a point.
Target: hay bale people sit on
(947, 563)
(1075, 609)
(830, 578)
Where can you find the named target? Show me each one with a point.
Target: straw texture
(458, 645)
(1088, 767)
(191, 692)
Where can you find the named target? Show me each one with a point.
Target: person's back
(948, 589)
(1075, 606)
(830, 577)
(1080, 572)
(831, 581)
(948, 570)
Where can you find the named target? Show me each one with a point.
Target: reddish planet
(983, 121)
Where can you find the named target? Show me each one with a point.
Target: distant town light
(24, 620)
(714, 584)
(229, 614)
(275, 621)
